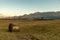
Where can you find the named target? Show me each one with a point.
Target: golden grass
(31, 30)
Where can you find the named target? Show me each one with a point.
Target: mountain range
(41, 15)
(37, 15)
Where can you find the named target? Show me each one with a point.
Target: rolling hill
(36, 15)
(40, 15)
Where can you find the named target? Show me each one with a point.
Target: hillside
(31, 30)
(36, 15)
(40, 15)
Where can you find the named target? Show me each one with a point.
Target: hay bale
(13, 27)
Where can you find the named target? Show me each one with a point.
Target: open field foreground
(31, 30)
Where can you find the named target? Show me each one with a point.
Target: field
(31, 30)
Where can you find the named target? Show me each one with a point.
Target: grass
(31, 30)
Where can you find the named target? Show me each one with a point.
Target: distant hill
(36, 16)
(41, 15)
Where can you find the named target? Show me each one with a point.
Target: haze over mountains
(38, 15)
(44, 15)
(2, 16)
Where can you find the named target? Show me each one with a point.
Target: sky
(21, 7)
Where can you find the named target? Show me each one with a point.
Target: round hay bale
(13, 27)
(16, 28)
(10, 27)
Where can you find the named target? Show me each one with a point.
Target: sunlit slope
(31, 30)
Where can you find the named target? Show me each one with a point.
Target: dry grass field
(31, 30)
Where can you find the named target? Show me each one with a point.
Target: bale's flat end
(13, 27)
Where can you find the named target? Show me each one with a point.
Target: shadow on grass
(3, 29)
